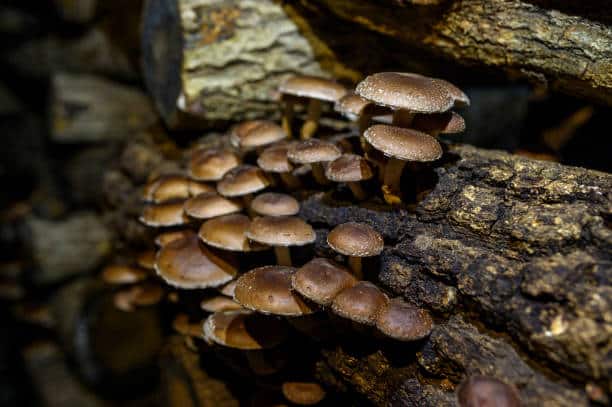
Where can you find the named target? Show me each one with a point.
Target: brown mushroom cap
(313, 151)
(281, 231)
(356, 240)
(182, 325)
(352, 106)
(404, 322)
(240, 130)
(211, 164)
(170, 187)
(117, 274)
(349, 168)
(403, 144)
(361, 303)
(210, 205)
(228, 233)
(164, 214)
(312, 87)
(166, 237)
(140, 295)
(412, 92)
(477, 391)
(185, 263)
(242, 329)
(266, 133)
(275, 204)
(444, 123)
(274, 159)
(320, 280)
(268, 290)
(303, 393)
(146, 259)
(242, 180)
(219, 303)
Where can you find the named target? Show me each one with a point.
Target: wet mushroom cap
(477, 391)
(185, 263)
(164, 214)
(123, 274)
(320, 280)
(219, 303)
(303, 393)
(210, 205)
(403, 144)
(166, 237)
(349, 168)
(355, 239)
(404, 322)
(268, 290)
(229, 233)
(274, 159)
(264, 134)
(275, 204)
(166, 187)
(312, 87)
(313, 151)
(212, 164)
(239, 131)
(242, 329)
(281, 231)
(361, 303)
(445, 123)
(242, 180)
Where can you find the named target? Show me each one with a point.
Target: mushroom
(320, 280)
(360, 303)
(268, 290)
(185, 263)
(219, 303)
(138, 295)
(172, 187)
(317, 90)
(146, 259)
(229, 233)
(228, 289)
(211, 164)
(183, 326)
(281, 232)
(314, 152)
(484, 391)
(355, 240)
(118, 274)
(439, 123)
(275, 204)
(242, 181)
(400, 145)
(210, 205)
(351, 169)
(238, 131)
(356, 108)
(303, 393)
(404, 322)
(166, 237)
(274, 160)
(164, 214)
(259, 136)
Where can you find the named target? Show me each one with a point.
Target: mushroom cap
(210, 205)
(242, 329)
(268, 290)
(403, 144)
(182, 325)
(211, 164)
(275, 204)
(229, 233)
(477, 391)
(312, 87)
(313, 151)
(171, 187)
(185, 263)
(349, 168)
(146, 259)
(281, 231)
(352, 106)
(361, 303)
(241, 129)
(404, 322)
(138, 295)
(219, 303)
(445, 123)
(355, 240)
(242, 180)
(265, 133)
(164, 214)
(274, 159)
(118, 274)
(166, 237)
(303, 393)
(413, 92)
(320, 280)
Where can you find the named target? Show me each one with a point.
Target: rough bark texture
(570, 53)
(515, 259)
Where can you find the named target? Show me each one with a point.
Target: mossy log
(514, 257)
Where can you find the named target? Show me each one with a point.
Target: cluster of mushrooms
(244, 198)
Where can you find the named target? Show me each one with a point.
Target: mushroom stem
(393, 175)
(290, 180)
(402, 118)
(312, 119)
(283, 255)
(355, 265)
(246, 201)
(287, 118)
(364, 123)
(319, 174)
(357, 190)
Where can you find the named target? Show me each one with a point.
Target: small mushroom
(229, 233)
(355, 240)
(314, 152)
(241, 129)
(259, 136)
(320, 280)
(356, 108)
(211, 164)
(485, 391)
(219, 303)
(146, 259)
(118, 274)
(210, 205)
(173, 187)
(268, 290)
(281, 232)
(361, 303)
(183, 326)
(242, 181)
(166, 237)
(404, 322)
(400, 145)
(274, 160)
(317, 90)
(439, 123)
(351, 169)
(275, 204)
(164, 214)
(303, 393)
(139, 295)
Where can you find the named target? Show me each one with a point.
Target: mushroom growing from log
(314, 152)
(258, 136)
(360, 303)
(355, 240)
(211, 164)
(243, 181)
(229, 233)
(439, 123)
(210, 205)
(274, 160)
(173, 187)
(275, 204)
(320, 280)
(351, 169)
(164, 214)
(404, 322)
